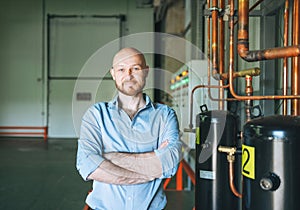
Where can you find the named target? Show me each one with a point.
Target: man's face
(129, 73)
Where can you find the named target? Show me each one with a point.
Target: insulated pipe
(295, 61)
(258, 55)
(285, 60)
(231, 67)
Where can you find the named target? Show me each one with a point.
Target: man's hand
(109, 173)
(147, 163)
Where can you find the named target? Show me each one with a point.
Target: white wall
(23, 80)
(21, 62)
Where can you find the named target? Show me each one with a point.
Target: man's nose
(129, 71)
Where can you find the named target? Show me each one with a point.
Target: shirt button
(129, 198)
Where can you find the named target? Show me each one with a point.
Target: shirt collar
(114, 103)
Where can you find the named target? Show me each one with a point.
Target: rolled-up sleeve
(171, 155)
(89, 151)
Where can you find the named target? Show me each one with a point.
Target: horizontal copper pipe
(258, 55)
(268, 54)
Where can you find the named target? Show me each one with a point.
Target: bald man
(129, 145)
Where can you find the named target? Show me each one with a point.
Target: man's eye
(137, 68)
(120, 70)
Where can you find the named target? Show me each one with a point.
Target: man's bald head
(126, 53)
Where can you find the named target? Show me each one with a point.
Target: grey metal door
(71, 41)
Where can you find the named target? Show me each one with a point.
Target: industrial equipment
(214, 128)
(270, 165)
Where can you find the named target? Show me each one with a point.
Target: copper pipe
(295, 61)
(252, 8)
(258, 55)
(285, 60)
(192, 99)
(215, 58)
(208, 60)
(208, 51)
(231, 151)
(221, 55)
(215, 74)
(231, 67)
(231, 180)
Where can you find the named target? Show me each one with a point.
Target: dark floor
(41, 176)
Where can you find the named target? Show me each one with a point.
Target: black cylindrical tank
(214, 128)
(271, 163)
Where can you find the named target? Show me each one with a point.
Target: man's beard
(129, 91)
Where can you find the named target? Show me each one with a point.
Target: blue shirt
(107, 128)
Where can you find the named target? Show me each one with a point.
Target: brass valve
(230, 152)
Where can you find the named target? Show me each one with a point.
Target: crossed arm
(127, 168)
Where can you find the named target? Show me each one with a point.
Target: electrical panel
(188, 77)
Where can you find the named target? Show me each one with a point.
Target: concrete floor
(36, 175)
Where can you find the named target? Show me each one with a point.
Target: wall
(21, 61)
(23, 54)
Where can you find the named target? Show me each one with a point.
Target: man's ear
(146, 70)
(112, 72)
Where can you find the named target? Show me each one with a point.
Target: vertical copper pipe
(208, 48)
(231, 46)
(221, 55)
(209, 55)
(252, 8)
(295, 60)
(214, 16)
(285, 60)
(243, 25)
(231, 181)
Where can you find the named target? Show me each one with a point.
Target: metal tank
(212, 190)
(271, 163)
